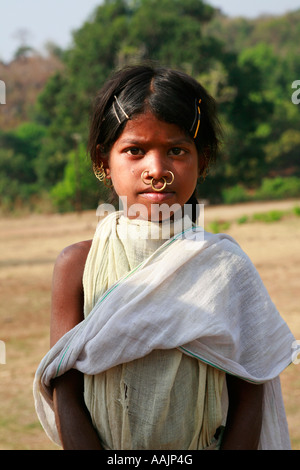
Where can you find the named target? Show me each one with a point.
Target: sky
(38, 21)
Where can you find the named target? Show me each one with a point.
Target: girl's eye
(134, 151)
(177, 151)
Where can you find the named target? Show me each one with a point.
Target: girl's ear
(103, 157)
(203, 162)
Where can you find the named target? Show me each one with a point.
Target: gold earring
(101, 175)
(99, 171)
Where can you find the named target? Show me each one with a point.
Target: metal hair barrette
(122, 110)
(197, 117)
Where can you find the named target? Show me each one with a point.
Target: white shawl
(200, 293)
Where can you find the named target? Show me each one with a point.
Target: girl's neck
(152, 230)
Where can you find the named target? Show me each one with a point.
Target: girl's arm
(73, 420)
(244, 416)
(72, 417)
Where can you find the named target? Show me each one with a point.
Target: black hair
(171, 95)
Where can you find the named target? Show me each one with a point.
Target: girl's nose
(156, 167)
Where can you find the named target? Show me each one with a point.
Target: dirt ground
(29, 246)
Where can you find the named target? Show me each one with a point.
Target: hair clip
(121, 108)
(197, 116)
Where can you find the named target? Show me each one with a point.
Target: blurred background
(54, 56)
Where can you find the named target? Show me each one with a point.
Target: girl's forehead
(147, 126)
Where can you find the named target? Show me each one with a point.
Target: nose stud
(154, 181)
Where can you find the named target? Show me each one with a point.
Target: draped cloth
(167, 399)
(199, 293)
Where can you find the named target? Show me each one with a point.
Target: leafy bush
(271, 216)
(243, 219)
(218, 226)
(270, 189)
(79, 188)
(235, 194)
(278, 188)
(296, 211)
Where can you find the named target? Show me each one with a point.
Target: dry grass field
(29, 246)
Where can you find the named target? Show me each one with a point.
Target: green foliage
(79, 188)
(271, 216)
(25, 140)
(218, 226)
(284, 153)
(18, 150)
(278, 188)
(270, 189)
(243, 219)
(16, 183)
(235, 194)
(160, 28)
(296, 211)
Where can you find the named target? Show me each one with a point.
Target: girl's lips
(156, 196)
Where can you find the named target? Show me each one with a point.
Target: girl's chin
(154, 212)
(154, 207)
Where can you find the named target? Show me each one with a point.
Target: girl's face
(156, 148)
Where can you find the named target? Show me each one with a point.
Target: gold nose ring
(142, 177)
(158, 189)
(172, 177)
(154, 181)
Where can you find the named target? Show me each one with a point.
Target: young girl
(160, 342)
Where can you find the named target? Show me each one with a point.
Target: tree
(23, 144)
(117, 33)
(78, 189)
(18, 179)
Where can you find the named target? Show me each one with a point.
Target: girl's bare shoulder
(76, 251)
(71, 260)
(67, 289)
